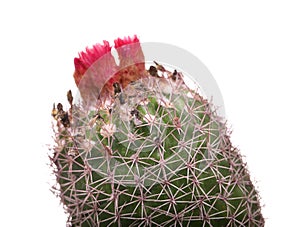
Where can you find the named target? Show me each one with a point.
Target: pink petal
(86, 59)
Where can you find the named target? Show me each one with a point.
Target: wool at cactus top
(144, 149)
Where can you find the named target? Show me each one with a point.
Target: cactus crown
(143, 149)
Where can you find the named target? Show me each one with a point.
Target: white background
(252, 48)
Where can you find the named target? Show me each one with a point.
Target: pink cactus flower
(104, 71)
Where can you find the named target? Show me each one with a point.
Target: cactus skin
(157, 155)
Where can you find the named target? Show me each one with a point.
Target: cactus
(142, 148)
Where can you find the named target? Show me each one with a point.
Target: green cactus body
(157, 155)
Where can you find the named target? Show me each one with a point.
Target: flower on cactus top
(129, 50)
(106, 72)
(86, 59)
(132, 60)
